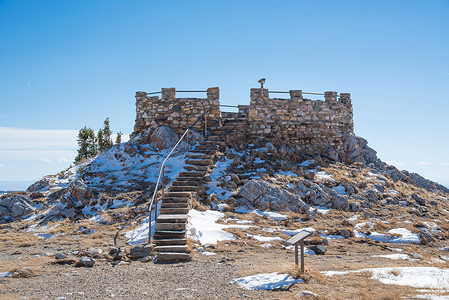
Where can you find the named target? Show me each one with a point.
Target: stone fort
(308, 125)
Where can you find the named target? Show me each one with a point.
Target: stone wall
(314, 125)
(308, 124)
(177, 113)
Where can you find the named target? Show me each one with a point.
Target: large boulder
(38, 185)
(260, 194)
(78, 195)
(355, 149)
(15, 206)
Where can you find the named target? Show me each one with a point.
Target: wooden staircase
(170, 236)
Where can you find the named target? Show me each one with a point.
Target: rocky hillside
(265, 178)
(362, 212)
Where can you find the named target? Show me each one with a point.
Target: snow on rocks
(218, 176)
(397, 235)
(268, 281)
(203, 228)
(264, 238)
(5, 274)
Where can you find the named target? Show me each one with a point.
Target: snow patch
(202, 227)
(269, 281)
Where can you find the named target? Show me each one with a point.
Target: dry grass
(309, 275)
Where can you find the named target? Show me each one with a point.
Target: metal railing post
(149, 228)
(187, 143)
(205, 126)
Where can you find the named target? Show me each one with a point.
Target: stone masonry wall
(177, 113)
(308, 124)
(313, 125)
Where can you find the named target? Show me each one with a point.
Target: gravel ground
(202, 278)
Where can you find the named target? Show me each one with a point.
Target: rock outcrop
(262, 195)
(14, 206)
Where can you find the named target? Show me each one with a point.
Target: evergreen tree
(83, 144)
(107, 133)
(100, 141)
(118, 139)
(92, 142)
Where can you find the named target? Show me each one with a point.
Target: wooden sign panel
(299, 237)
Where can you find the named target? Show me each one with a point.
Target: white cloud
(424, 163)
(445, 164)
(20, 144)
(395, 163)
(63, 159)
(2, 165)
(45, 160)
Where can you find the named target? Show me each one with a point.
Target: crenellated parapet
(315, 124)
(311, 124)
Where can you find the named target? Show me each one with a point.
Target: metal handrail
(285, 92)
(161, 175)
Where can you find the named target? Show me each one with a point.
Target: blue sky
(66, 64)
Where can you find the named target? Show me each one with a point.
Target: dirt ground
(206, 276)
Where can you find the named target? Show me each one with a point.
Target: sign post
(299, 239)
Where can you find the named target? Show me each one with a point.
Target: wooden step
(199, 162)
(173, 248)
(172, 218)
(178, 194)
(200, 156)
(206, 147)
(164, 242)
(180, 188)
(186, 182)
(169, 226)
(175, 200)
(192, 174)
(174, 205)
(174, 210)
(208, 152)
(169, 234)
(197, 168)
(173, 256)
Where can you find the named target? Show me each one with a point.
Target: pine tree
(100, 141)
(83, 144)
(92, 142)
(107, 133)
(118, 139)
